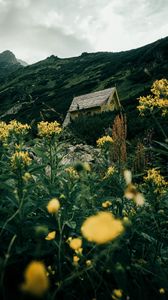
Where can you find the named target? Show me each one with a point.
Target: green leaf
(71, 224)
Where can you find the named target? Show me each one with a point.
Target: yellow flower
(139, 199)
(69, 239)
(27, 176)
(51, 236)
(104, 140)
(106, 204)
(36, 281)
(18, 147)
(4, 132)
(126, 221)
(101, 228)
(162, 291)
(117, 294)
(20, 158)
(18, 128)
(88, 263)
(132, 193)
(110, 171)
(48, 129)
(158, 100)
(75, 259)
(53, 206)
(75, 243)
(127, 176)
(14, 127)
(72, 172)
(131, 190)
(50, 271)
(79, 251)
(153, 175)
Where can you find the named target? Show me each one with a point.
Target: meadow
(88, 231)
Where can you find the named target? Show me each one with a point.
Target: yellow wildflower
(48, 129)
(153, 175)
(162, 291)
(50, 271)
(75, 260)
(131, 190)
(20, 157)
(18, 128)
(110, 171)
(69, 239)
(126, 221)
(132, 193)
(139, 199)
(127, 176)
(158, 99)
(27, 176)
(18, 147)
(51, 236)
(72, 172)
(88, 263)
(36, 281)
(117, 294)
(53, 206)
(14, 127)
(104, 140)
(101, 228)
(4, 132)
(79, 251)
(106, 204)
(75, 243)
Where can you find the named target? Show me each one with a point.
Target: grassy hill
(45, 90)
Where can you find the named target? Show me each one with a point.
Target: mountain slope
(46, 89)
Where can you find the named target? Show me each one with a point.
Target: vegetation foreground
(84, 231)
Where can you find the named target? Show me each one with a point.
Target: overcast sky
(35, 29)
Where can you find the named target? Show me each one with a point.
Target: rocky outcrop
(80, 152)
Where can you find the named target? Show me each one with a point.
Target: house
(93, 103)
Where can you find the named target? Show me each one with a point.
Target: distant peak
(22, 62)
(7, 52)
(8, 57)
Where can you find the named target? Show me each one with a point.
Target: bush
(90, 128)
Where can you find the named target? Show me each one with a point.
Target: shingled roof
(90, 100)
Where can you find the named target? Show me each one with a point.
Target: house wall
(108, 107)
(112, 104)
(89, 112)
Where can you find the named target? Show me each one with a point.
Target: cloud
(131, 24)
(35, 29)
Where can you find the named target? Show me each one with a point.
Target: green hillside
(45, 90)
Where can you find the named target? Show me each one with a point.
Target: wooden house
(93, 103)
